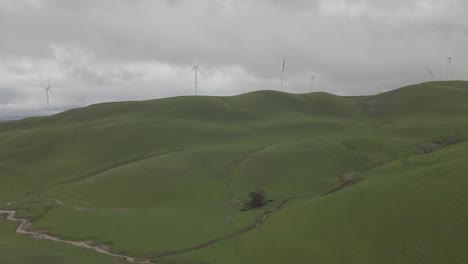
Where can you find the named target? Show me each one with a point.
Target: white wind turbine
(282, 73)
(197, 69)
(47, 91)
(449, 66)
(312, 79)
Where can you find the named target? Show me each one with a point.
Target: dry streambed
(25, 224)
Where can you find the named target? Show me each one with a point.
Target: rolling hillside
(377, 179)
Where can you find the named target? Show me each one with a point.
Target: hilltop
(368, 179)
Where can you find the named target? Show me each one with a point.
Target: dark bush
(257, 199)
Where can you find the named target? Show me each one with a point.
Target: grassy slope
(147, 177)
(408, 211)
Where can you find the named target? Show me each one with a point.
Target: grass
(154, 176)
(404, 212)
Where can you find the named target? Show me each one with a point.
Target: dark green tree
(257, 199)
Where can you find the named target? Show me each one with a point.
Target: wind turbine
(47, 91)
(282, 73)
(197, 69)
(449, 66)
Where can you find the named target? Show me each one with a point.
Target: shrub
(257, 199)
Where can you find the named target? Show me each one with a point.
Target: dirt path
(25, 224)
(116, 166)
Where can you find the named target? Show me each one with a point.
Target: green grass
(412, 211)
(154, 176)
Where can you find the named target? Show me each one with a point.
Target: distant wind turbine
(282, 73)
(47, 91)
(197, 69)
(449, 66)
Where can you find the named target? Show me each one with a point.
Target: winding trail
(244, 158)
(25, 224)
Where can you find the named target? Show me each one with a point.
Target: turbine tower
(449, 66)
(47, 91)
(282, 73)
(197, 69)
(312, 78)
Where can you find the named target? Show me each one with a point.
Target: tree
(257, 199)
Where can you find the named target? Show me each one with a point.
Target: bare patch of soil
(347, 180)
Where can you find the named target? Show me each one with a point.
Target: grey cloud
(7, 95)
(113, 50)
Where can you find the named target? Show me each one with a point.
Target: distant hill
(368, 179)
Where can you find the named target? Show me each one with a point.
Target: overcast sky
(112, 50)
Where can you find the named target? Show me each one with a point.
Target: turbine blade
(430, 71)
(284, 63)
(52, 93)
(202, 73)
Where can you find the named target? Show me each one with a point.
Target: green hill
(165, 179)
